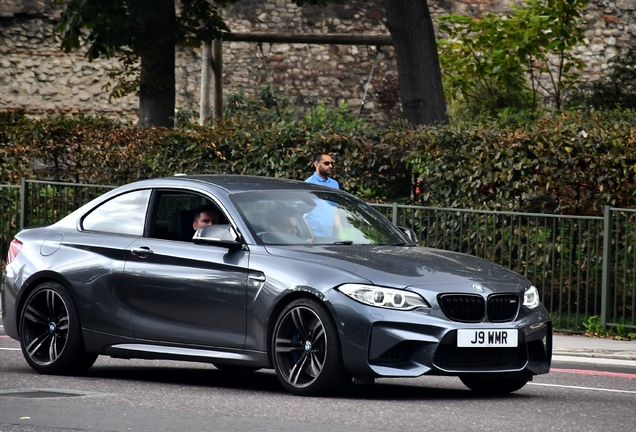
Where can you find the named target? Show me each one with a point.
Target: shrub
(258, 142)
(576, 162)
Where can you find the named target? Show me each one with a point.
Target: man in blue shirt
(323, 219)
(324, 168)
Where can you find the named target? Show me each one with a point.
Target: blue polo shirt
(315, 178)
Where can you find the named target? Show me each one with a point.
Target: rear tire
(306, 350)
(50, 332)
(493, 386)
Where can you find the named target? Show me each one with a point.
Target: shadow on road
(266, 381)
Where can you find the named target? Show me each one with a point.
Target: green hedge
(571, 162)
(97, 150)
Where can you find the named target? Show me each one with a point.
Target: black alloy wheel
(50, 333)
(306, 350)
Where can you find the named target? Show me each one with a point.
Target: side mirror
(410, 234)
(218, 235)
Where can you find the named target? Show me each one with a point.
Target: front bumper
(388, 343)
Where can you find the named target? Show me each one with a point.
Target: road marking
(583, 388)
(11, 349)
(591, 372)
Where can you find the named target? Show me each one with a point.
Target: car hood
(399, 267)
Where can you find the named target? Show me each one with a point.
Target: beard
(324, 172)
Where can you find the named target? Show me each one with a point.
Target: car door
(182, 292)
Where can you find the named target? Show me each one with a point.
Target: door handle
(142, 251)
(257, 277)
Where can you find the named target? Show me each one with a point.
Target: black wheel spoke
(53, 351)
(317, 332)
(35, 345)
(34, 315)
(62, 324)
(284, 345)
(297, 370)
(51, 297)
(296, 315)
(316, 364)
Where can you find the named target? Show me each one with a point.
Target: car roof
(241, 183)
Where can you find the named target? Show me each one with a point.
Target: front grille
(462, 307)
(452, 358)
(502, 307)
(470, 308)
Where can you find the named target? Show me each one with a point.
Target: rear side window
(125, 214)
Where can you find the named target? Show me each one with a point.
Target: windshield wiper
(343, 242)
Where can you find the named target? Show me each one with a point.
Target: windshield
(314, 217)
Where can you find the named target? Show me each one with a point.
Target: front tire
(493, 386)
(306, 350)
(50, 332)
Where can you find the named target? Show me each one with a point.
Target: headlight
(383, 297)
(531, 298)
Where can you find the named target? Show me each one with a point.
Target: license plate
(487, 338)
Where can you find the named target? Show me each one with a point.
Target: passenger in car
(205, 215)
(282, 221)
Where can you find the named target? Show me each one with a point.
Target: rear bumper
(10, 287)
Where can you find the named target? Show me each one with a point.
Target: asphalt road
(141, 395)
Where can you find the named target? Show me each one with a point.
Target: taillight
(14, 249)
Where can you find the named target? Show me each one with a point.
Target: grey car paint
(153, 298)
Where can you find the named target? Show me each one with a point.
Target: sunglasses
(329, 163)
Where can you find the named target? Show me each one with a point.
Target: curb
(595, 364)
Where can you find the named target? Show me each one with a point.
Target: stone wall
(37, 76)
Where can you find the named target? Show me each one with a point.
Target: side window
(124, 214)
(174, 212)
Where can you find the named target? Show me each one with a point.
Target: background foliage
(251, 141)
(512, 61)
(571, 162)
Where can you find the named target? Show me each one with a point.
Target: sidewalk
(583, 351)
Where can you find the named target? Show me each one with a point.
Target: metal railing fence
(44, 202)
(583, 266)
(38, 202)
(620, 240)
(10, 208)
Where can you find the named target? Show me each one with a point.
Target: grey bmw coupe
(304, 279)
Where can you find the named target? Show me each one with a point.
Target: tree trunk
(421, 91)
(157, 80)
